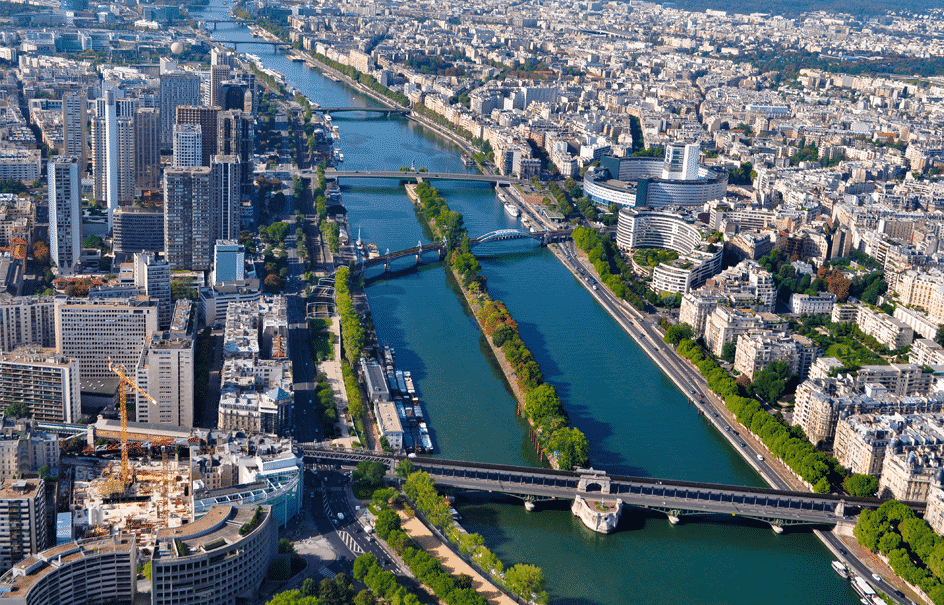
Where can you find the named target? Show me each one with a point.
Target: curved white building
(645, 181)
(92, 571)
(221, 556)
(698, 260)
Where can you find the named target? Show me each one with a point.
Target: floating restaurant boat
(512, 209)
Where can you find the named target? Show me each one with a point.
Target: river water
(636, 420)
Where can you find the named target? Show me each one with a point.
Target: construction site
(132, 496)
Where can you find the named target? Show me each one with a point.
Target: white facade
(65, 213)
(188, 145)
(166, 372)
(821, 303)
(96, 332)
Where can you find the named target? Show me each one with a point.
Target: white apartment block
(902, 379)
(925, 352)
(907, 474)
(166, 372)
(821, 303)
(757, 351)
(725, 324)
(65, 212)
(103, 331)
(23, 512)
(922, 289)
(47, 383)
(819, 404)
(18, 164)
(27, 320)
(22, 450)
(934, 513)
(863, 439)
(890, 332)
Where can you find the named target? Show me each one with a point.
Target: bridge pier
(674, 516)
(778, 529)
(599, 516)
(529, 506)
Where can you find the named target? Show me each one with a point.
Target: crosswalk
(327, 573)
(348, 540)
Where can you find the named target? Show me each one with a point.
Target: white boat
(840, 570)
(512, 209)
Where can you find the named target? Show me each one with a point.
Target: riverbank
(419, 119)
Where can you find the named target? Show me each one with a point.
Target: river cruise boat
(840, 570)
(511, 209)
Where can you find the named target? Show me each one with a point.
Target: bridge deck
(685, 496)
(412, 176)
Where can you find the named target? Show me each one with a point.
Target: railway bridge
(675, 499)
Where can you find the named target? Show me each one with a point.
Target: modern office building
(177, 88)
(138, 229)
(654, 182)
(27, 320)
(147, 149)
(152, 277)
(102, 570)
(23, 519)
(74, 130)
(188, 224)
(102, 331)
(65, 212)
(206, 118)
(229, 262)
(217, 559)
(235, 135)
(188, 145)
(47, 383)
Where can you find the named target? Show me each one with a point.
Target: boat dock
(416, 436)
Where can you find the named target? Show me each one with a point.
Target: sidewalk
(332, 369)
(453, 564)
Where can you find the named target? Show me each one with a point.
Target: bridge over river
(676, 499)
(501, 235)
(333, 175)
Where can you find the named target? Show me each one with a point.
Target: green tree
(527, 581)
(309, 588)
(293, 597)
(147, 571)
(728, 351)
(677, 333)
(370, 473)
(405, 468)
(16, 409)
(822, 486)
(286, 547)
(542, 401)
(861, 486)
(387, 521)
(770, 383)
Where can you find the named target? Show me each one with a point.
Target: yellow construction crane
(125, 381)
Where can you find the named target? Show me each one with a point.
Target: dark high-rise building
(188, 220)
(147, 149)
(206, 117)
(235, 137)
